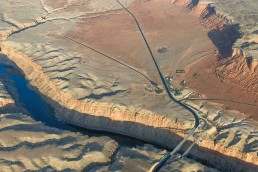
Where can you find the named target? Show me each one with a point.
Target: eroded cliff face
(5, 98)
(235, 61)
(44, 148)
(27, 144)
(233, 37)
(242, 68)
(137, 122)
(233, 69)
(91, 113)
(129, 121)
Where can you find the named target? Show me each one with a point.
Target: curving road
(158, 165)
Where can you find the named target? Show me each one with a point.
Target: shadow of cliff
(225, 38)
(57, 142)
(12, 108)
(158, 136)
(221, 161)
(208, 12)
(193, 4)
(19, 107)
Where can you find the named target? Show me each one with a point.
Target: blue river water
(32, 102)
(39, 110)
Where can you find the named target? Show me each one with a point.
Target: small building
(169, 80)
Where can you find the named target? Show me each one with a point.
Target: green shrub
(158, 90)
(177, 92)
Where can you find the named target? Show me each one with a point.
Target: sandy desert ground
(107, 81)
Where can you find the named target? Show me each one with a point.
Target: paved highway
(156, 167)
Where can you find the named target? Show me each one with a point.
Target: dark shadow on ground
(159, 136)
(193, 4)
(208, 12)
(225, 38)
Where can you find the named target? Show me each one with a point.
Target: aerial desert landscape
(129, 85)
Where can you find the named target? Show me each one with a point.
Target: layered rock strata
(137, 122)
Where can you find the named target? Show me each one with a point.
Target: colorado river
(39, 110)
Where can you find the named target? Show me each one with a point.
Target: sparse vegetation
(158, 90)
(195, 75)
(177, 92)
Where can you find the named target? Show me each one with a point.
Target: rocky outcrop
(139, 123)
(234, 62)
(142, 124)
(242, 68)
(230, 133)
(44, 148)
(83, 113)
(5, 98)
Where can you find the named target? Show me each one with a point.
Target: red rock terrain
(232, 74)
(94, 92)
